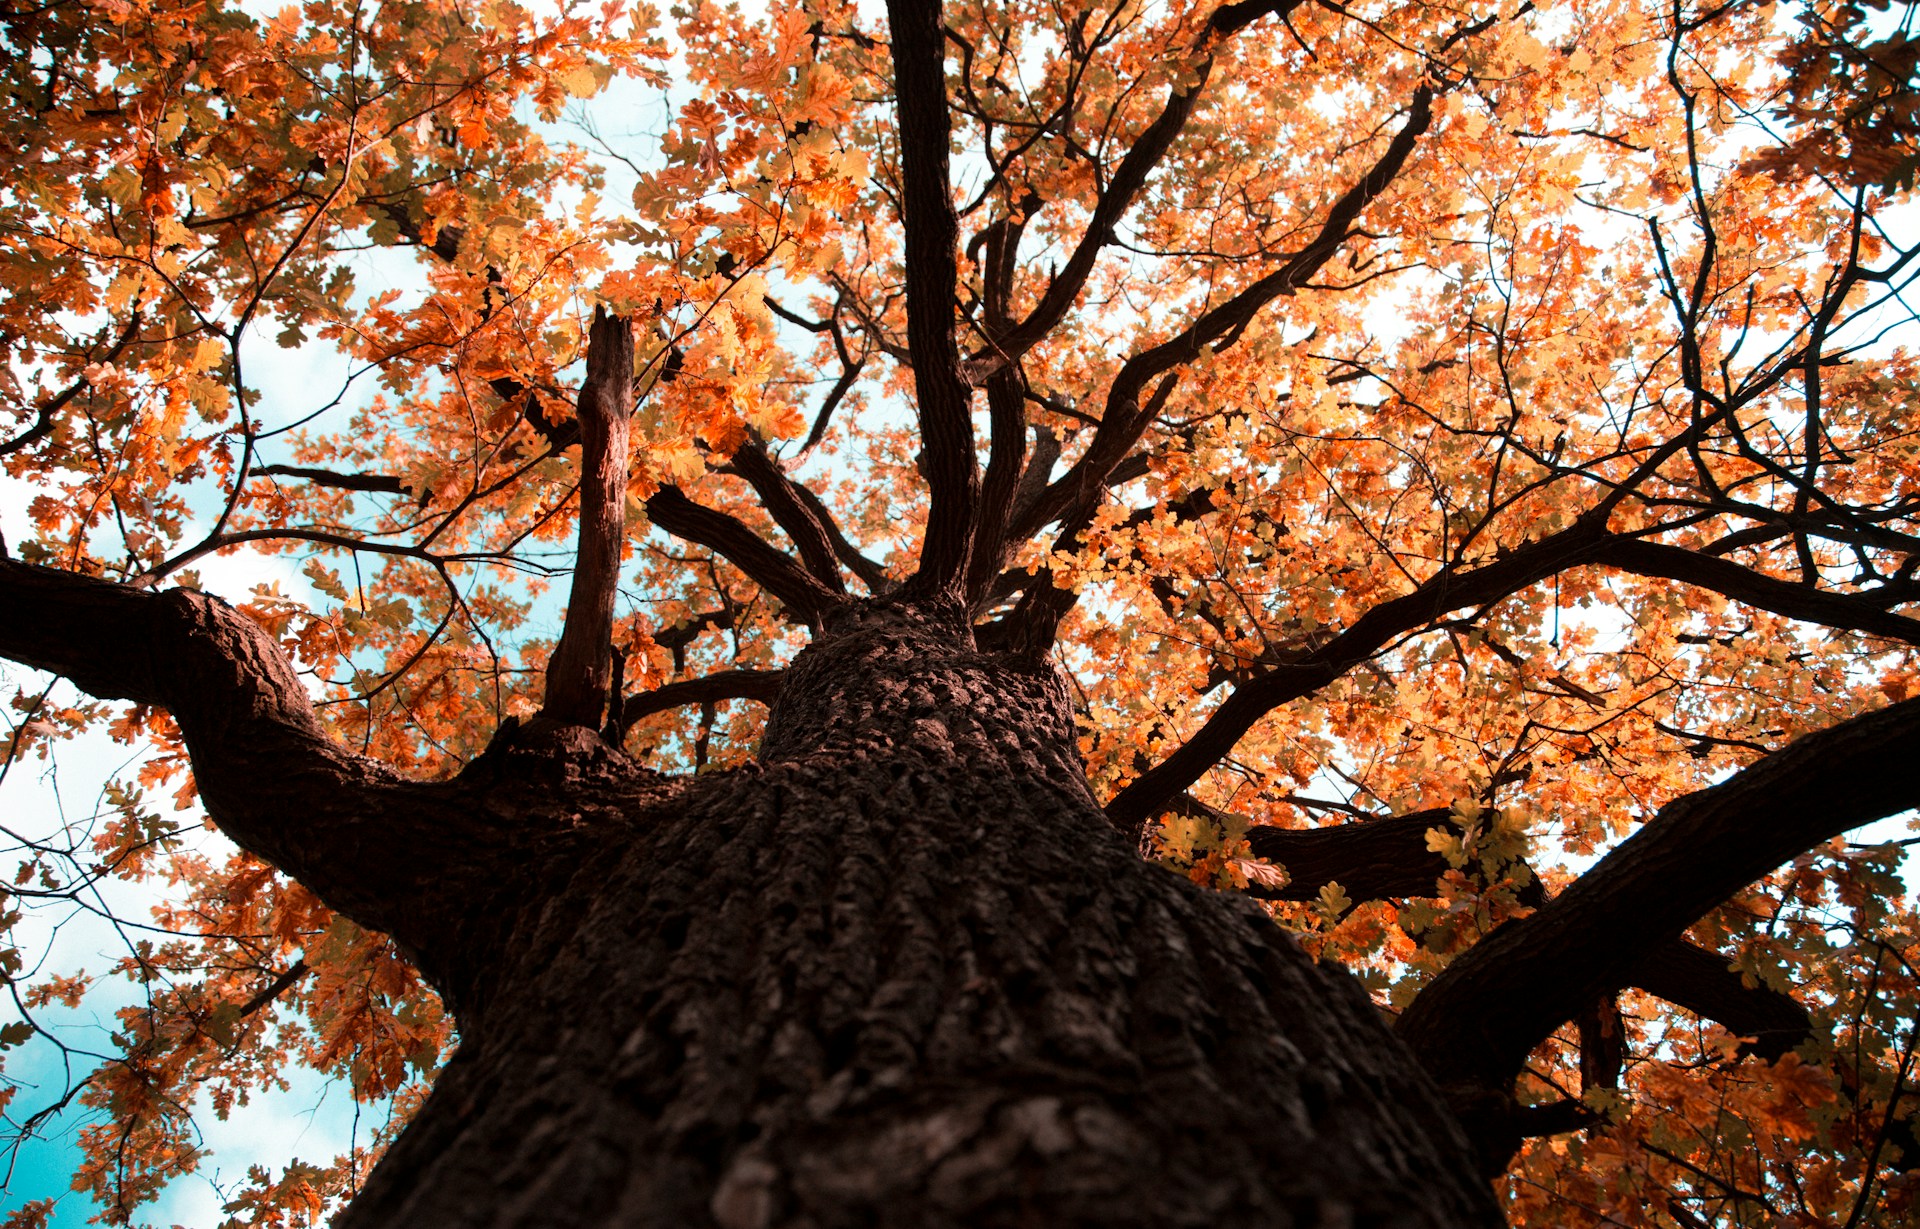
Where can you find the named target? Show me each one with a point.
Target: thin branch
(1450, 589)
(1454, 588)
(49, 410)
(378, 484)
(1126, 415)
(1118, 196)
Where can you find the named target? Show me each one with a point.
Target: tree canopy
(1463, 458)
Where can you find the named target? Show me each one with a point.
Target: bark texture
(579, 675)
(901, 972)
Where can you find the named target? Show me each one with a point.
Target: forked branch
(784, 501)
(1118, 195)
(803, 594)
(1127, 414)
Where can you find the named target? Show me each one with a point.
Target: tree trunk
(901, 972)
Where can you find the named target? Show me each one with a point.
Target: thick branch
(1006, 457)
(932, 249)
(368, 843)
(1231, 18)
(761, 685)
(378, 484)
(778, 574)
(1373, 859)
(870, 572)
(1379, 859)
(779, 495)
(1707, 985)
(1849, 612)
(578, 676)
(1474, 1025)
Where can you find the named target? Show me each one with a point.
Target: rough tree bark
(901, 971)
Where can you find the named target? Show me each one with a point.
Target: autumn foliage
(1498, 416)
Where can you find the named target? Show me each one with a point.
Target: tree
(1437, 479)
